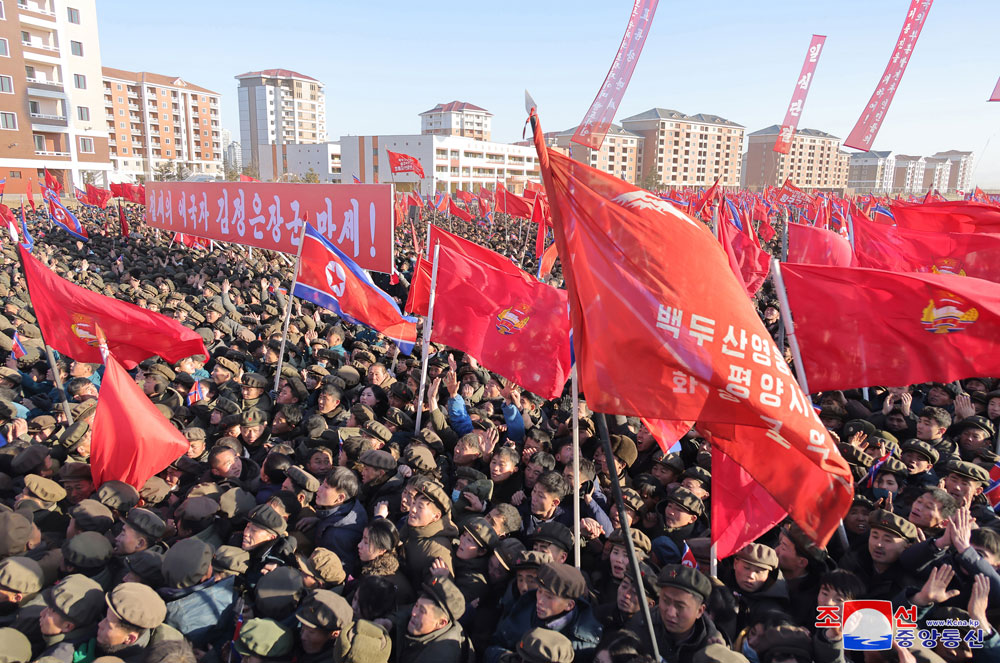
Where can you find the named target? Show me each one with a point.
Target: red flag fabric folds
(470, 249)
(119, 190)
(957, 216)
(123, 222)
(653, 303)
(455, 210)
(749, 263)
(903, 250)
(511, 203)
(70, 317)
(96, 196)
(404, 163)
(862, 327)
(132, 440)
(817, 246)
(742, 510)
(52, 182)
(506, 322)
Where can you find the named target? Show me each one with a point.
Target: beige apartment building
(620, 153)
(815, 161)
(457, 118)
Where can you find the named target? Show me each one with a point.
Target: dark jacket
(340, 530)
(702, 635)
(203, 613)
(422, 545)
(448, 645)
(583, 629)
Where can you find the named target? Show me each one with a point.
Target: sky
(384, 63)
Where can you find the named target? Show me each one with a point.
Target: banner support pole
(428, 324)
(786, 314)
(288, 308)
(576, 467)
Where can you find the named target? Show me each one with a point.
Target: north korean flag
(330, 279)
(63, 218)
(17, 347)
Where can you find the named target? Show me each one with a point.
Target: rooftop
(775, 129)
(613, 130)
(152, 79)
(668, 114)
(277, 73)
(456, 107)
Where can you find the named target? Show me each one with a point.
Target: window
(83, 113)
(6, 85)
(13, 174)
(121, 112)
(4, 48)
(121, 125)
(76, 48)
(169, 153)
(1, 12)
(125, 151)
(80, 81)
(121, 100)
(86, 145)
(119, 89)
(34, 108)
(166, 140)
(39, 142)
(73, 15)
(25, 38)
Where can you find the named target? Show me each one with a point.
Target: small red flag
(505, 321)
(418, 299)
(52, 182)
(749, 263)
(817, 246)
(511, 203)
(247, 178)
(455, 210)
(132, 440)
(71, 318)
(119, 190)
(31, 196)
(903, 328)
(96, 196)
(122, 221)
(404, 163)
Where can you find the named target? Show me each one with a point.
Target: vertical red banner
(795, 106)
(996, 93)
(864, 132)
(596, 122)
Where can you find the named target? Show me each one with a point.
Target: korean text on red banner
(795, 106)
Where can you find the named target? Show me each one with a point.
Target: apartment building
(156, 121)
(457, 118)
(620, 154)
(50, 94)
(814, 161)
(871, 172)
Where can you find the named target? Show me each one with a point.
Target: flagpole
(786, 314)
(850, 227)
(288, 307)
(428, 323)
(616, 489)
(576, 466)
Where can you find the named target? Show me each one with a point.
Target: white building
(960, 176)
(872, 172)
(278, 107)
(322, 159)
(457, 118)
(449, 162)
(233, 155)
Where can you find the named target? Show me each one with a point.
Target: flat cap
(325, 610)
(757, 554)
(507, 552)
(146, 523)
(969, 471)
(698, 474)
(624, 449)
(186, 563)
(481, 532)
(77, 598)
(196, 508)
(976, 421)
(236, 503)
(15, 531)
(40, 423)
(165, 371)
(443, 591)
(118, 496)
(686, 500)
(92, 516)
(324, 565)
(228, 364)
(531, 559)
(14, 646)
(255, 380)
(230, 559)
(554, 532)
(376, 430)
(254, 417)
(686, 578)
(363, 642)
(890, 522)
(137, 604)
(542, 645)
(87, 550)
(22, 575)
(266, 517)
(433, 491)
(792, 640)
(302, 479)
(399, 419)
(30, 459)
(265, 638)
(640, 541)
(147, 565)
(380, 460)
(718, 654)
(563, 580)
(72, 471)
(44, 489)
(226, 405)
(419, 458)
(922, 448)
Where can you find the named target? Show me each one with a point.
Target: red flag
(464, 196)
(789, 194)
(709, 196)
(681, 318)
(70, 317)
(138, 194)
(749, 263)
(667, 432)
(741, 509)
(247, 178)
(132, 440)
(31, 196)
(505, 321)
(122, 222)
(96, 196)
(485, 193)
(118, 190)
(766, 231)
(903, 250)
(404, 163)
(415, 199)
(418, 299)
(957, 216)
(818, 246)
(470, 249)
(511, 203)
(902, 328)
(539, 215)
(548, 260)
(52, 182)
(455, 210)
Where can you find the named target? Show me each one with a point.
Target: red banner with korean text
(790, 194)
(596, 122)
(864, 132)
(791, 123)
(357, 219)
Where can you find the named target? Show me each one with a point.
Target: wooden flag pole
(288, 308)
(576, 466)
(428, 323)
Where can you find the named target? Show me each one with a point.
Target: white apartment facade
(322, 159)
(457, 118)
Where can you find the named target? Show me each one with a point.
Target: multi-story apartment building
(322, 159)
(50, 94)
(909, 174)
(156, 121)
(687, 150)
(937, 172)
(871, 172)
(278, 107)
(814, 161)
(449, 162)
(619, 154)
(960, 175)
(457, 118)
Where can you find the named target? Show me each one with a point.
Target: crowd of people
(313, 523)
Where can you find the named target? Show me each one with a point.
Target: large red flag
(742, 510)
(132, 440)
(863, 327)
(455, 210)
(653, 303)
(119, 190)
(817, 246)
(404, 163)
(748, 262)
(511, 203)
(418, 299)
(512, 324)
(956, 216)
(471, 249)
(96, 196)
(903, 250)
(72, 317)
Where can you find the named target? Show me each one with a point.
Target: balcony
(39, 84)
(44, 118)
(41, 47)
(45, 153)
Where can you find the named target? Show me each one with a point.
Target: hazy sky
(383, 63)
